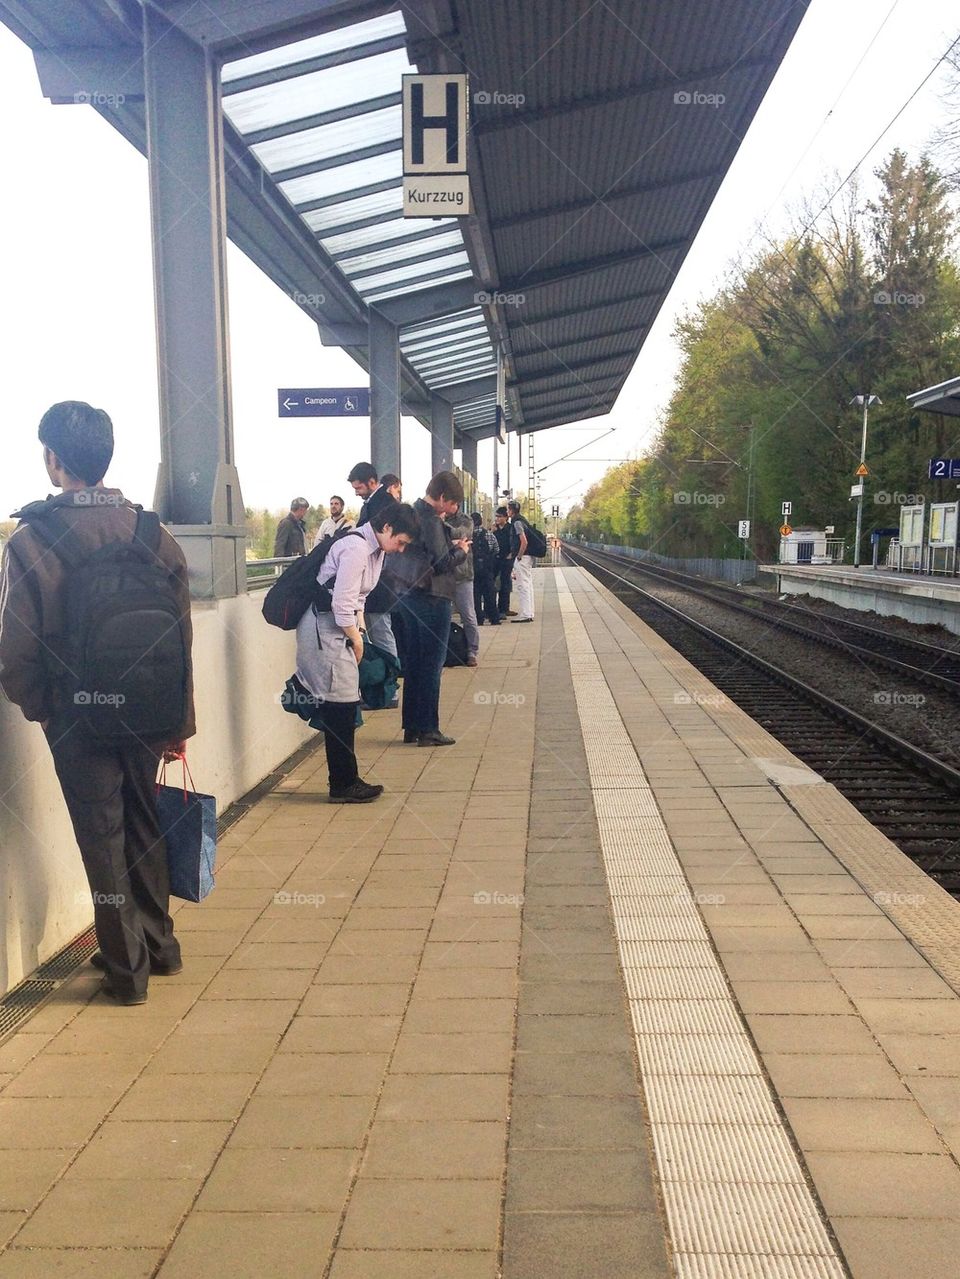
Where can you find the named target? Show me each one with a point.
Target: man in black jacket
(485, 566)
(425, 607)
(507, 541)
(364, 482)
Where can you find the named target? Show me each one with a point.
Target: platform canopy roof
(600, 133)
(942, 398)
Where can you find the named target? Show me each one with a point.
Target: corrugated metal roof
(326, 124)
(605, 171)
(596, 151)
(942, 398)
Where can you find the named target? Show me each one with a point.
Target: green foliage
(868, 302)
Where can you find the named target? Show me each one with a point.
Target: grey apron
(325, 660)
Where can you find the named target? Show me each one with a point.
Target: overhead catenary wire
(876, 141)
(882, 134)
(873, 145)
(836, 102)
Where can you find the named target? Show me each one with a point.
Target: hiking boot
(359, 792)
(435, 739)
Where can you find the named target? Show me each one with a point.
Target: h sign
(434, 124)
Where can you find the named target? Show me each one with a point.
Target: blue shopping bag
(188, 823)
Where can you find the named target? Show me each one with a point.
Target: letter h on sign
(420, 122)
(434, 124)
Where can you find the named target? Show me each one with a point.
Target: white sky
(76, 320)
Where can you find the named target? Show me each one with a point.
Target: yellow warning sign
(785, 530)
(862, 470)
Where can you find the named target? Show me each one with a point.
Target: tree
(859, 298)
(946, 140)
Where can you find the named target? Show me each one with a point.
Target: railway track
(927, 664)
(908, 794)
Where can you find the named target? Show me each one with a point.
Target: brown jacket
(31, 595)
(290, 539)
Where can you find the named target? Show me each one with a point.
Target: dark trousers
(485, 597)
(505, 582)
(339, 731)
(110, 794)
(425, 631)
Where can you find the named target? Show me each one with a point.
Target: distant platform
(917, 597)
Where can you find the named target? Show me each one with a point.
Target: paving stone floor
(401, 1044)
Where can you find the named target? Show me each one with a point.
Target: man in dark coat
(365, 484)
(507, 541)
(109, 786)
(291, 536)
(428, 573)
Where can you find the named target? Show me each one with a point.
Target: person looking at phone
(427, 585)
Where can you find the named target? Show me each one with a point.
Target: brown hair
(445, 486)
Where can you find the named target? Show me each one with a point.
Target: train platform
(614, 987)
(923, 598)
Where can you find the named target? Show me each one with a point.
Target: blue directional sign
(944, 468)
(324, 401)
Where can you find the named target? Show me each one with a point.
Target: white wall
(240, 665)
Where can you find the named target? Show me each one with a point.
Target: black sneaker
(359, 792)
(156, 969)
(435, 739)
(126, 997)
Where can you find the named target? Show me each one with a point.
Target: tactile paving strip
(675, 983)
(692, 1266)
(737, 1200)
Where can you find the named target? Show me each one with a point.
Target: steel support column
(198, 489)
(441, 434)
(468, 454)
(384, 393)
(468, 447)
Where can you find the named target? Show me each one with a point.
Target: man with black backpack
(95, 644)
(532, 545)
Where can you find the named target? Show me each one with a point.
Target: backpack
(486, 550)
(379, 673)
(456, 646)
(122, 660)
(297, 588)
(536, 542)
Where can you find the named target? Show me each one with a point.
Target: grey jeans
(463, 603)
(380, 630)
